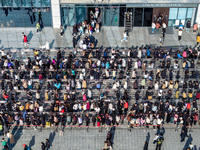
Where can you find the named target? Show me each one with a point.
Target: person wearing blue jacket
(107, 65)
(148, 53)
(179, 55)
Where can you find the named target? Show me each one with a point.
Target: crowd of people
(101, 87)
(89, 26)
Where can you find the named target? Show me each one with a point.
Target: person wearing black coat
(145, 145)
(47, 144)
(74, 42)
(42, 146)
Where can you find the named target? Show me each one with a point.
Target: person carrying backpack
(159, 142)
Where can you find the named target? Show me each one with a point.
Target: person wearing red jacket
(5, 96)
(25, 39)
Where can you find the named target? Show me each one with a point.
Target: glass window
(111, 16)
(182, 13)
(173, 13)
(114, 16)
(46, 3)
(171, 23)
(17, 3)
(7, 3)
(71, 16)
(190, 12)
(26, 3)
(36, 3)
(80, 14)
(107, 16)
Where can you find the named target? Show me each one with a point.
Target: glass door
(148, 16)
(122, 11)
(111, 16)
(138, 15)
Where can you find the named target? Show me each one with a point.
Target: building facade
(26, 13)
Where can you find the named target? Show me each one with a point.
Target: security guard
(159, 143)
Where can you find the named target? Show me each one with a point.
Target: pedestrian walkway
(107, 37)
(93, 140)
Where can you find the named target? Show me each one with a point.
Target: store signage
(162, 5)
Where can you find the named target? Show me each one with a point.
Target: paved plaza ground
(107, 37)
(79, 139)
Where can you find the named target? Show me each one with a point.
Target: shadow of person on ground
(195, 147)
(51, 137)
(148, 137)
(51, 44)
(189, 140)
(146, 143)
(32, 142)
(161, 131)
(14, 129)
(29, 36)
(112, 130)
(17, 134)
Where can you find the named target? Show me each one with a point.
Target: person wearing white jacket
(139, 53)
(78, 85)
(125, 37)
(89, 94)
(180, 32)
(125, 85)
(123, 63)
(156, 86)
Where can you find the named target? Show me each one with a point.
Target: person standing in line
(153, 26)
(180, 32)
(47, 144)
(188, 26)
(38, 27)
(87, 120)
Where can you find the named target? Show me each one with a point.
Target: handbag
(149, 97)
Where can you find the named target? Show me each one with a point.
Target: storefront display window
(7, 3)
(173, 13)
(24, 13)
(80, 14)
(177, 15)
(182, 13)
(189, 12)
(111, 16)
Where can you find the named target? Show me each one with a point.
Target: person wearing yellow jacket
(198, 38)
(38, 27)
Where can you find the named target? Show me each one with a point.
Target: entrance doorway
(138, 16)
(148, 16)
